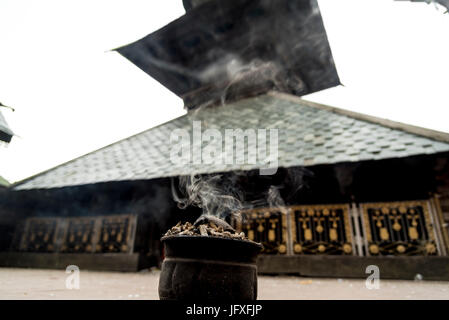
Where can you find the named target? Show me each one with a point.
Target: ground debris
(205, 230)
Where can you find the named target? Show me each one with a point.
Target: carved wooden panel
(267, 226)
(40, 235)
(321, 229)
(399, 228)
(78, 236)
(100, 234)
(115, 234)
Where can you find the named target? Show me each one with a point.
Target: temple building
(351, 190)
(371, 189)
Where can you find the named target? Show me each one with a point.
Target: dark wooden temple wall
(152, 201)
(369, 181)
(393, 179)
(442, 189)
(385, 180)
(7, 221)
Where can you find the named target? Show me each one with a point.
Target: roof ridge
(17, 183)
(420, 131)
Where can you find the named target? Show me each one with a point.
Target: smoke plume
(216, 195)
(221, 195)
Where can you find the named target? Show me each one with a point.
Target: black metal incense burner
(208, 268)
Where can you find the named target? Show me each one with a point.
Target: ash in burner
(206, 226)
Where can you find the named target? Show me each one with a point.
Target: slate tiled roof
(308, 135)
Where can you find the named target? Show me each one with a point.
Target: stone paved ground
(50, 284)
